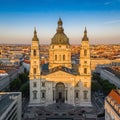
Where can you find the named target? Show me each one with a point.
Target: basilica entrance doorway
(60, 92)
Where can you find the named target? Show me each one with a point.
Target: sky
(19, 17)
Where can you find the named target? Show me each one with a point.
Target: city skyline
(18, 19)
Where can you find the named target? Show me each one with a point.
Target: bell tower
(85, 70)
(35, 70)
(60, 51)
(84, 67)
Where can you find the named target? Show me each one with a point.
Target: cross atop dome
(60, 28)
(60, 23)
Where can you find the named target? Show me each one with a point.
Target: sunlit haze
(101, 17)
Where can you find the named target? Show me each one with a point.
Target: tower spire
(35, 38)
(85, 38)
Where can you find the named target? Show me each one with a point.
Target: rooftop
(6, 99)
(60, 68)
(116, 73)
(115, 95)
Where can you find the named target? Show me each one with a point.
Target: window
(34, 52)
(85, 62)
(34, 70)
(35, 94)
(43, 84)
(85, 94)
(55, 57)
(34, 84)
(76, 94)
(43, 94)
(85, 70)
(85, 52)
(63, 57)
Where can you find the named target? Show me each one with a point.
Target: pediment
(60, 74)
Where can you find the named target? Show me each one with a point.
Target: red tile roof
(3, 71)
(115, 96)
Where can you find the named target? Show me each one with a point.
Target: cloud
(112, 21)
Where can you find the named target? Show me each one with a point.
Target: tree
(107, 86)
(15, 84)
(23, 77)
(25, 89)
(95, 86)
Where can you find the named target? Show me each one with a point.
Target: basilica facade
(60, 82)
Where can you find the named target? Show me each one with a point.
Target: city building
(8, 74)
(111, 74)
(60, 82)
(10, 106)
(112, 105)
(96, 62)
(4, 81)
(26, 64)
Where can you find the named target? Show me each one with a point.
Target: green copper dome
(60, 37)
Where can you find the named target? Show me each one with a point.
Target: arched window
(43, 94)
(63, 57)
(85, 52)
(34, 52)
(34, 70)
(55, 57)
(85, 70)
(85, 94)
(76, 94)
(35, 94)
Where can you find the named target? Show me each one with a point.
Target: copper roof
(115, 95)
